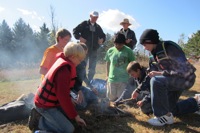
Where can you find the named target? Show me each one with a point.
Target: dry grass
(10, 90)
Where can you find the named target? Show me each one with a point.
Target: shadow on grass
(117, 124)
(121, 124)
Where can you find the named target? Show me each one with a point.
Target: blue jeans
(92, 61)
(89, 98)
(54, 120)
(165, 92)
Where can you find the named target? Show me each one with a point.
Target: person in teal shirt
(117, 59)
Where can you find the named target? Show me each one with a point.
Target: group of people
(63, 70)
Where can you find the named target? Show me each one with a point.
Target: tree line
(20, 46)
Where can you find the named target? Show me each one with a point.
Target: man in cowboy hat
(129, 34)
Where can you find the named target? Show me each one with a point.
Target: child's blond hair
(74, 49)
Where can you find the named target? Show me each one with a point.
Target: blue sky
(170, 17)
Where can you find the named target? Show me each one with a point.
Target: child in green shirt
(117, 59)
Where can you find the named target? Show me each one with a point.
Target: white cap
(94, 13)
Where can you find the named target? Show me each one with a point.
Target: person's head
(63, 36)
(134, 69)
(125, 23)
(119, 40)
(74, 52)
(94, 16)
(149, 39)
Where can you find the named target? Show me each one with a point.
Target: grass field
(16, 82)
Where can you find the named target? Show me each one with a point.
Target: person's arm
(78, 30)
(46, 62)
(134, 40)
(43, 70)
(102, 35)
(62, 81)
(107, 69)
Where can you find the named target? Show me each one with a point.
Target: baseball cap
(94, 13)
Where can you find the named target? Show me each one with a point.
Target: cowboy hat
(125, 21)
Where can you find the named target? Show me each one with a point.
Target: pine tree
(192, 46)
(6, 38)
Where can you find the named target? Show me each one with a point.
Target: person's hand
(100, 41)
(128, 40)
(154, 73)
(94, 90)
(80, 121)
(139, 103)
(80, 97)
(134, 94)
(82, 40)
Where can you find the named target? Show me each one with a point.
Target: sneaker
(33, 120)
(161, 121)
(197, 96)
(197, 112)
(41, 131)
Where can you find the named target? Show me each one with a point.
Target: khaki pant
(114, 90)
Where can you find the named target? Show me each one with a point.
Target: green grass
(12, 89)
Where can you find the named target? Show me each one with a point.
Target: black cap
(120, 38)
(149, 36)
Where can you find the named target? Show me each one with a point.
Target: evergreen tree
(42, 40)
(23, 42)
(191, 48)
(6, 38)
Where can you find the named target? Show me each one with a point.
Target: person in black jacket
(129, 34)
(90, 33)
(174, 74)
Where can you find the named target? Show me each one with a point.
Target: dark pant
(92, 61)
(185, 107)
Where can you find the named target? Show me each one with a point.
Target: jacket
(171, 60)
(143, 85)
(130, 35)
(90, 33)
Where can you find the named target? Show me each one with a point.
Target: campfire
(107, 108)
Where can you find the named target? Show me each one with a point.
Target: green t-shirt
(119, 60)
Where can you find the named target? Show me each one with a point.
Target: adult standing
(90, 33)
(129, 34)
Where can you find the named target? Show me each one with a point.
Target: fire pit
(107, 108)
